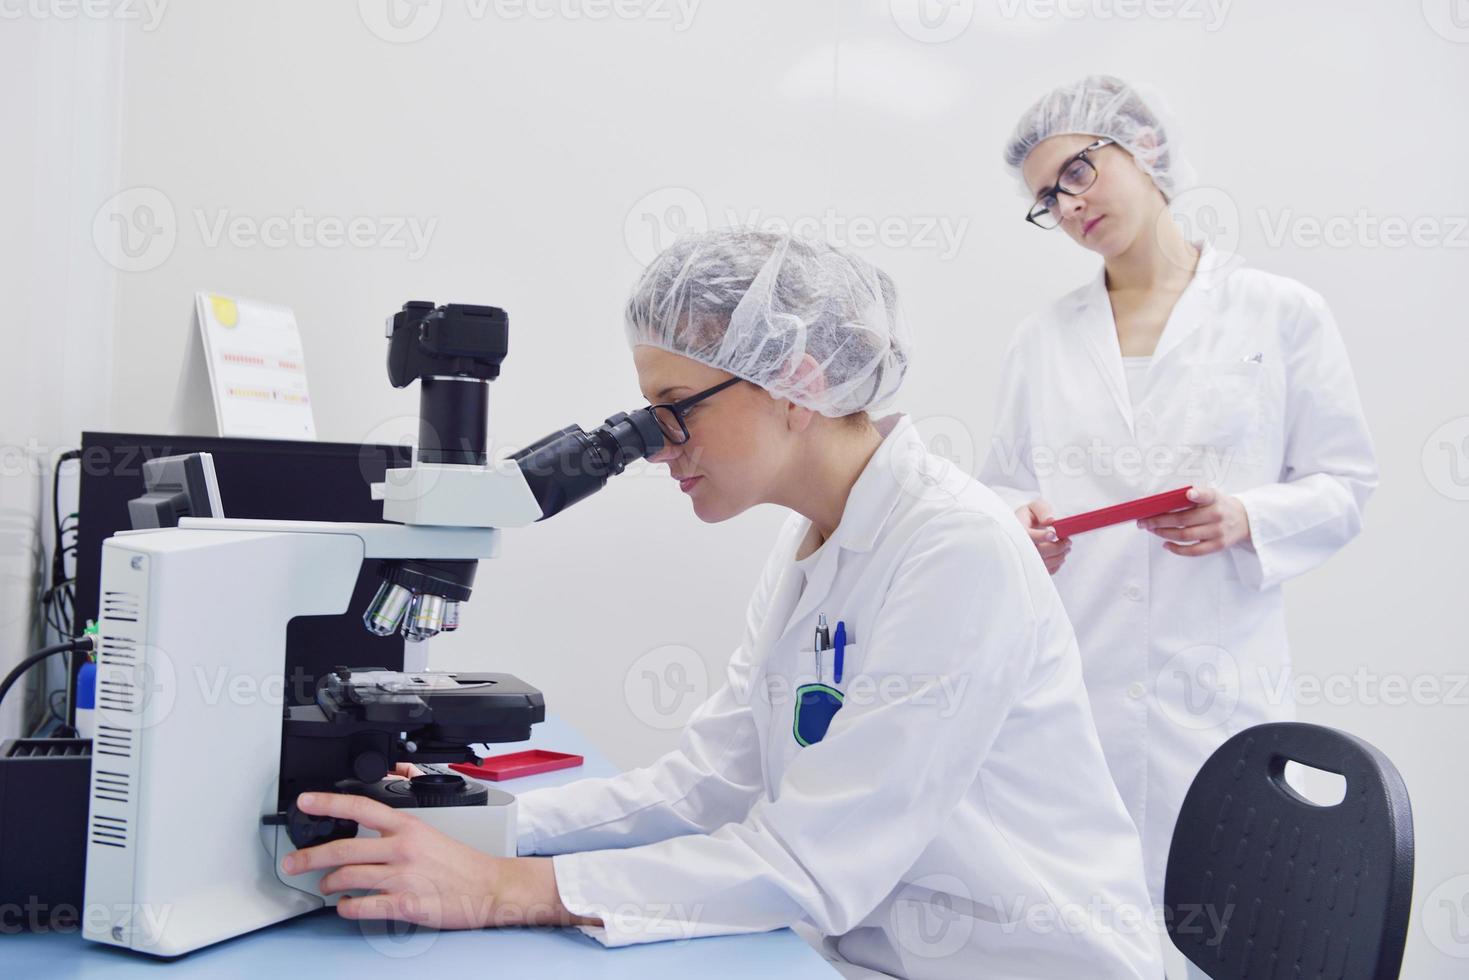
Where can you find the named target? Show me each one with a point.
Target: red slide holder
(1159, 503)
(513, 765)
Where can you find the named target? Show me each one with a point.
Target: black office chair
(1301, 890)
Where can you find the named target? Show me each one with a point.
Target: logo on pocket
(816, 705)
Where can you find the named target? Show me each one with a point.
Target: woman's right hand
(1036, 518)
(405, 770)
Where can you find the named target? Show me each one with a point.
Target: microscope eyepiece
(570, 464)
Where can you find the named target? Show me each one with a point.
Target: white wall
(59, 117)
(545, 151)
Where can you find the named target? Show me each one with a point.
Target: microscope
(198, 757)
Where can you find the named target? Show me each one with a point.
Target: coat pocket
(1224, 407)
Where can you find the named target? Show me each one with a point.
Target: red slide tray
(513, 765)
(1132, 510)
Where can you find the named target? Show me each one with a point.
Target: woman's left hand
(421, 875)
(1215, 521)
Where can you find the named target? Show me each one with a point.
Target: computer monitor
(256, 478)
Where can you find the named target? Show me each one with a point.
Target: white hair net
(1101, 105)
(756, 304)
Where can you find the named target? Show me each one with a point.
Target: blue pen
(840, 642)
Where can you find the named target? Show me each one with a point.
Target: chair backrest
(1263, 884)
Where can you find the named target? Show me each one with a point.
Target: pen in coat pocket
(823, 640)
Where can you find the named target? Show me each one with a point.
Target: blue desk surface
(322, 945)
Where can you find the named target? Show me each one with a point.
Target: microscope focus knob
(440, 789)
(306, 830)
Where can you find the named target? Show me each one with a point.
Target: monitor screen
(257, 478)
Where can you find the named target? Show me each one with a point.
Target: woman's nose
(668, 453)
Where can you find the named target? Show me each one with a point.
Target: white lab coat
(959, 802)
(1249, 391)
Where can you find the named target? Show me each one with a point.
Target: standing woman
(1171, 367)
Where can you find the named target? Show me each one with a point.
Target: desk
(322, 945)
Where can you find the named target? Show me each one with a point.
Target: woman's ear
(806, 378)
(1145, 150)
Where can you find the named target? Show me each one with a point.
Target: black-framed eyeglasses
(1076, 176)
(672, 417)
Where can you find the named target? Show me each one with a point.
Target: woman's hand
(420, 875)
(1216, 521)
(1036, 518)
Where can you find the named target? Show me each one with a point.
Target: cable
(80, 645)
(58, 553)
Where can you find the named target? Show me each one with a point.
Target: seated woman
(930, 802)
